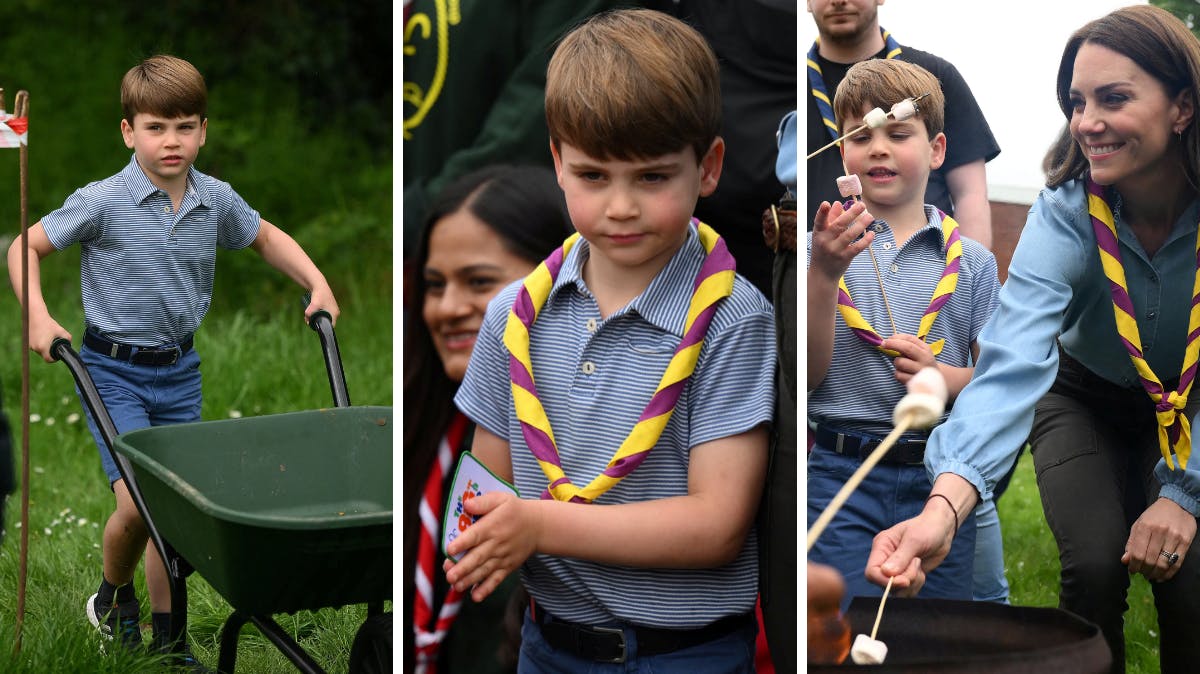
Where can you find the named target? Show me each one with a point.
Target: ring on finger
(1171, 557)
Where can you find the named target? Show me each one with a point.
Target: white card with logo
(471, 479)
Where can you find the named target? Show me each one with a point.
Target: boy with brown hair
(653, 364)
(935, 291)
(148, 238)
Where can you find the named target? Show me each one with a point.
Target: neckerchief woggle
(816, 81)
(713, 282)
(1174, 429)
(941, 295)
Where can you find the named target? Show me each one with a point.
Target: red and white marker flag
(14, 131)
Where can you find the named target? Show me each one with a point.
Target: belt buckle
(153, 356)
(620, 659)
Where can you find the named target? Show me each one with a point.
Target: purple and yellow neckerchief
(713, 282)
(1174, 429)
(941, 295)
(816, 81)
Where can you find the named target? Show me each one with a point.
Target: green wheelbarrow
(278, 513)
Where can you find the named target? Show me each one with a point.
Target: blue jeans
(139, 396)
(990, 582)
(730, 654)
(889, 495)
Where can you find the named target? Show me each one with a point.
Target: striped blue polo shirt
(146, 270)
(595, 376)
(860, 389)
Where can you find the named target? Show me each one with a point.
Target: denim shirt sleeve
(991, 418)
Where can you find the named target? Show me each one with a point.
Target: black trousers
(777, 515)
(1094, 448)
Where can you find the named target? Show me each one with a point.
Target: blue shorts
(138, 396)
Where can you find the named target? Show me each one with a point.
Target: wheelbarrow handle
(321, 322)
(61, 349)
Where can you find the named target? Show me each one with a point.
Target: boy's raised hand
(914, 355)
(495, 545)
(836, 237)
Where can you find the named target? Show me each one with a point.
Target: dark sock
(110, 594)
(161, 624)
(125, 594)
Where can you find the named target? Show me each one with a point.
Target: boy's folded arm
(704, 528)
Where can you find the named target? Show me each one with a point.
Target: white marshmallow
(925, 409)
(875, 118)
(904, 110)
(849, 185)
(868, 651)
(929, 380)
(925, 400)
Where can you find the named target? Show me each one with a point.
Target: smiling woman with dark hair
(1093, 350)
(485, 230)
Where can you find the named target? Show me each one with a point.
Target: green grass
(256, 362)
(1031, 561)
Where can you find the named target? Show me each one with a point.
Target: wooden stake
(21, 109)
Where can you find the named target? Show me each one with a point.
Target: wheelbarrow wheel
(371, 652)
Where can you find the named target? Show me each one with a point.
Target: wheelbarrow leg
(229, 638)
(272, 631)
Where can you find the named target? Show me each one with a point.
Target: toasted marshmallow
(849, 185)
(875, 118)
(925, 400)
(868, 651)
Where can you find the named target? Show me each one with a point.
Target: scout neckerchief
(1174, 430)
(713, 282)
(941, 294)
(428, 631)
(817, 82)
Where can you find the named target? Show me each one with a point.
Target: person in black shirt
(849, 32)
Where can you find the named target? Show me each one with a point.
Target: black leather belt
(138, 355)
(904, 452)
(607, 644)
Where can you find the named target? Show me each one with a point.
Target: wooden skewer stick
(839, 499)
(875, 263)
(854, 131)
(882, 601)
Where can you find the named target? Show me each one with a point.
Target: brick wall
(1007, 221)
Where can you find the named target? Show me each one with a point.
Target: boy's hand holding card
(471, 479)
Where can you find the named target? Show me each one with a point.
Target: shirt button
(589, 367)
(591, 325)
(1150, 314)
(887, 245)
(895, 268)
(166, 209)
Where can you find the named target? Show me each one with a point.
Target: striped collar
(664, 302)
(140, 188)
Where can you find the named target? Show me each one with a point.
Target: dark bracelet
(952, 508)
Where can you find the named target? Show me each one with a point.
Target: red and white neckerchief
(428, 631)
